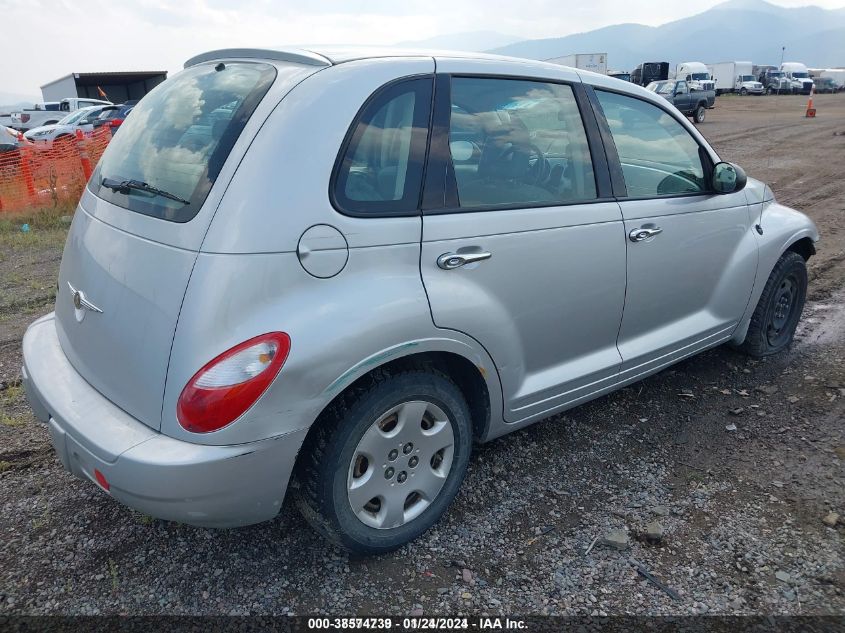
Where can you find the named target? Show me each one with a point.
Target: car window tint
(659, 156)
(516, 142)
(381, 169)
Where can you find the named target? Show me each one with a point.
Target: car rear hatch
(141, 221)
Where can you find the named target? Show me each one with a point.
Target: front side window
(518, 143)
(380, 172)
(659, 156)
(179, 137)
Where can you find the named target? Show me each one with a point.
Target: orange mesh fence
(47, 174)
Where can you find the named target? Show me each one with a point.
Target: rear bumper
(213, 486)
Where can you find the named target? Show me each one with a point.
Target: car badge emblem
(81, 304)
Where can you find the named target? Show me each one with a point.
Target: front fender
(782, 227)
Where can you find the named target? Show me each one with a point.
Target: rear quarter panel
(372, 312)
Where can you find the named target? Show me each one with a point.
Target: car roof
(334, 55)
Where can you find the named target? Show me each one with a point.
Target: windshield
(179, 136)
(665, 88)
(73, 117)
(776, 74)
(747, 78)
(801, 75)
(701, 76)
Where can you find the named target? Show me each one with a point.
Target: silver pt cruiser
(336, 271)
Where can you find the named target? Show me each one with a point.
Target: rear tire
(700, 114)
(777, 314)
(365, 478)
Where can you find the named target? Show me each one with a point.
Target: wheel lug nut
(393, 454)
(389, 473)
(407, 448)
(413, 461)
(401, 477)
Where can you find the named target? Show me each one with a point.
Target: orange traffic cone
(811, 111)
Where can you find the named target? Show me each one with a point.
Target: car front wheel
(777, 314)
(386, 460)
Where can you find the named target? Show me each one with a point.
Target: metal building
(118, 86)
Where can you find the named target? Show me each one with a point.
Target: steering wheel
(536, 172)
(539, 171)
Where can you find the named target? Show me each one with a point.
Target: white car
(8, 139)
(79, 120)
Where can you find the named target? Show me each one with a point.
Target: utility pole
(782, 51)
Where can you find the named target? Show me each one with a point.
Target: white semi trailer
(595, 62)
(696, 74)
(798, 74)
(836, 74)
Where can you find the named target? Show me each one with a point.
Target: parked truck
(736, 77)
(773, 80)
(622, 75)
(25, 120)
(837, 75)
(696, 74)
(799, 76)
(647, 72)
(594, 62)
(690, 101)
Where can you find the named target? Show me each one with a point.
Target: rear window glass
(167, 155)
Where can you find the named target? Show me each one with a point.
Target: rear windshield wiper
(124, 186)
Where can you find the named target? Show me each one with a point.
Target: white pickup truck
(25, 120)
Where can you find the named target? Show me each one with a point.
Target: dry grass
(47, 228)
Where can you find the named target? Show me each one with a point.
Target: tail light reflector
(101, 479)
(228, 385)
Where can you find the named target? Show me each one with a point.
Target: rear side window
(380, 170)
(178, 138)
(518, 143)
(659, 156)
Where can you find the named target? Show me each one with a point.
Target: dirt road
(738, 460)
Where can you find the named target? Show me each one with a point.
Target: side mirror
(728, 178)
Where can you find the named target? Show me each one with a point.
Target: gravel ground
(716, 476)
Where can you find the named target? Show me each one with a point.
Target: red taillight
(115, 122)
(24, 118)
(228, 385)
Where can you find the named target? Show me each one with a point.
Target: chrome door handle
(449, 261)
(638, 235)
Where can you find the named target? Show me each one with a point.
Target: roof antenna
(220, 66)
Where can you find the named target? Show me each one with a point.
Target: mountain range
(749, 30)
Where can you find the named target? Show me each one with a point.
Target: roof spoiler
(297, 56)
